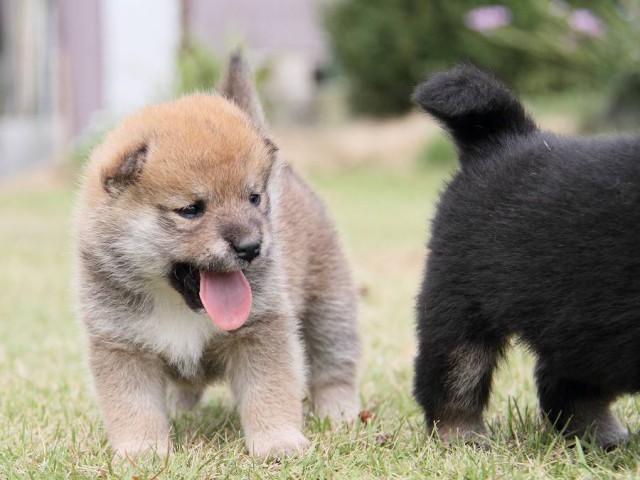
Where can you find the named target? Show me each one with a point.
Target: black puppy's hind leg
(579, 409)
(453, 375)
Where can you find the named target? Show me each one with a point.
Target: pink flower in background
(583, 20)
(487, 19)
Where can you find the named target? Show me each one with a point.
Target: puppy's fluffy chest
(176, 333)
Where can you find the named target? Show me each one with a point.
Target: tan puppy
(202, 256)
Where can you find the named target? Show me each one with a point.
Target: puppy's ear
(237, 85)
(278, 165)
(126, 172)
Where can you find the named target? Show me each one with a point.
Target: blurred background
(337, 73)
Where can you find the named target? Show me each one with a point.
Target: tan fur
(455, 426)
(144, 340)
(468, 363)
(459, 421)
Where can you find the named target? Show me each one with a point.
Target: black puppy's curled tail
(478, 110)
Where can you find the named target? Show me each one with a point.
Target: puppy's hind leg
(453, 370)
(453, 387)
(579, 409)
(333, 348)
(183, 397)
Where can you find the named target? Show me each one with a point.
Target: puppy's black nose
(247, 249)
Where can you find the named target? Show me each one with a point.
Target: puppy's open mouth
(185, 279)
(225, 296)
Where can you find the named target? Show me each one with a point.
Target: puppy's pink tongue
(226, 298)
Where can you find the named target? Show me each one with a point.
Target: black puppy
(537, 236)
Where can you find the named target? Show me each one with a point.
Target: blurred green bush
(385, 47)
(197, 68)
(438, 152)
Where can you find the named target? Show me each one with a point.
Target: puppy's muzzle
(247, 249)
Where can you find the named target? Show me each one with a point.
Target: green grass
(51, 428)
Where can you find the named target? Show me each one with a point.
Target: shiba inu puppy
(536, 237)
(203, 256)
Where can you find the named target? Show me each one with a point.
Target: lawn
(51, 428)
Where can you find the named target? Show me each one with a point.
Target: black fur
(537, 236)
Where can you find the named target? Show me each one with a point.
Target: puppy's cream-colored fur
(145, 341)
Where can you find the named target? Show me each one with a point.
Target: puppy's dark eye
(191, 211)
(254, 198)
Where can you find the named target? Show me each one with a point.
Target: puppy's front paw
(338, 402)
(276, 443)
